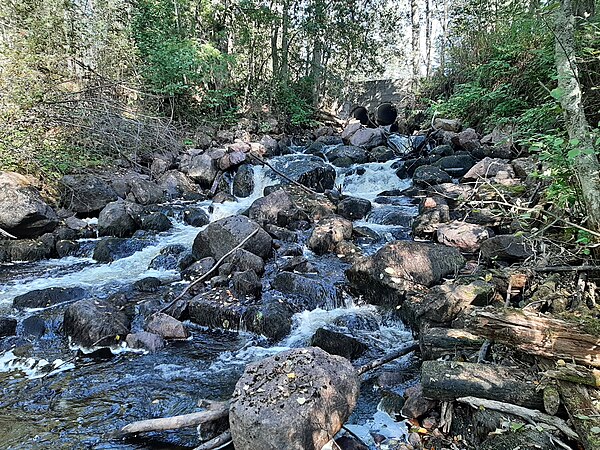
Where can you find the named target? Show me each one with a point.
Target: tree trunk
(428, 37)
(585, 162)
(416, 39)
(444, 38)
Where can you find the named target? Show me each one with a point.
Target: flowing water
(55, 395)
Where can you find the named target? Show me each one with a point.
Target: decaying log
(584, 416)
(448, 380)
(437, 342)
(530, 415)
(216, 412)
(404, 349)
(538, 335)
(575, 374)
(218, 442)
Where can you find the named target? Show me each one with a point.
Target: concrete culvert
(386, 114)
(360, 113)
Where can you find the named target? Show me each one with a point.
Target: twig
(403, 350)
(281, 174)
(531, 415)
(7, 234)
(211, 270)
(218, 442)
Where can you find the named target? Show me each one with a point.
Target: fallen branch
(7, 234)
(211, 270)
(530, 415)
(281, 174)
(217, 411)
(403, 350)
(219, 442)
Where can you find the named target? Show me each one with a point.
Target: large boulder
(196, 217)
(384, 277)
(277, 208)
(146, 192)
(243, 181)
(201, 167)
(23, 213)
(368, 138)
(296, 400)
(455, 165)
(222, 236)
(85, 194)
(305, 292)
(467, 139)
(42, 298)
(428, 175)
(92, 322)
(166, 326)
(175, 184)
(354, 208)
(25, 250)
(465, 236)
(328, 233)
(310, 171)
(345, 155)
(490, 168)
(112, 248)
(117, 219)
(337, 343)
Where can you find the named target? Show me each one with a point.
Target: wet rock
(271, 145)
(433, 212)
(243, 181)
(24, 250)
(366, 234)
(453, 125)
(330, 140)
(116, 219)
(416, 405)
(94, 322)
(175, 184)
(384, 277)
(336, 343)
(166, 326)
(456, 165)
(381, 154)
(309, 171)
(524, 439)
(506, 247)
(320, 395)
(309, 293)
(246, 284)
(43, 298)
(277, 208)
(359, 320)
(349, 443)
(33, 326)
(169, 258)
(281, 234)
(148, 284)
(355, 155)
(112, 248)
(146, 192)
(146, 341)
(158, 222)
(198, 269)
(427, 175)
(85, 194)
(201, 168)
(297, 264)
(242, 260)
(195, 217)
(8, 326)
(354, 208)
(23, 213)
(368, 138)
(465, 236)
(328, 233)
(391, 215)
(407, 169)
(221, 236)
(490, 168)
(442, 150)
(222, 197)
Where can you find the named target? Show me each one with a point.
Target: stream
(48, 398)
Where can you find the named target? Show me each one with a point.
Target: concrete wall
(371, 94)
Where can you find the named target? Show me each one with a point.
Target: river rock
(175, 184)
(384, 277)
(490, 168)
(23, 213)
(66, 247)
(407, 169)
(455, 165)
(468, 139)
(170, 257)
(8, 326)
(296, 400)
(416, 405)
(116, 219)
(201, 168)
(145, 341)
(195, 217)
(346, 155)
(336, 343)
(428, 175)
(246, 284)
(433, 211)
(166, 326)
(25, 250)
(328, 233)
(354, 208)
(93, 322)
(198, 268)
(221, 236)
(146, 192)
(43, 298)
(148, 284)
(277, 208)
(242, 260)
(381, 154)
(310, 171)
(155, 221)
(110, 249)
(368, 138)
(391, 215)
(296, 264)
(465, 236)
(243, 181)
(506, 247)
(453, 125)
(306, 292)
(85, 194)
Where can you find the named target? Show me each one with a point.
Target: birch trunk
(585, 163)
(416, 38)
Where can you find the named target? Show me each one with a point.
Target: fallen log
(218, 442)
(536, 334)
(582, 412)
(449, 380)
(438, 342)
(404, 349)
(217, 411)
(530, 415)
(575, 374)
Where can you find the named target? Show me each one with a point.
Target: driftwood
(283, 175)
(575, 374)
(217, 411)
(404, 349)
(584, 416)
(530, 415)
(7, 234)
(220, 441)
(437, 342)
(210, 271)
(538, 335)
(448, 380)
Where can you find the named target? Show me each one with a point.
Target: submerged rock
(166, 326)
(95, 322)
(110, 249)
(145, 341)
(42, 298)
(296, 400)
